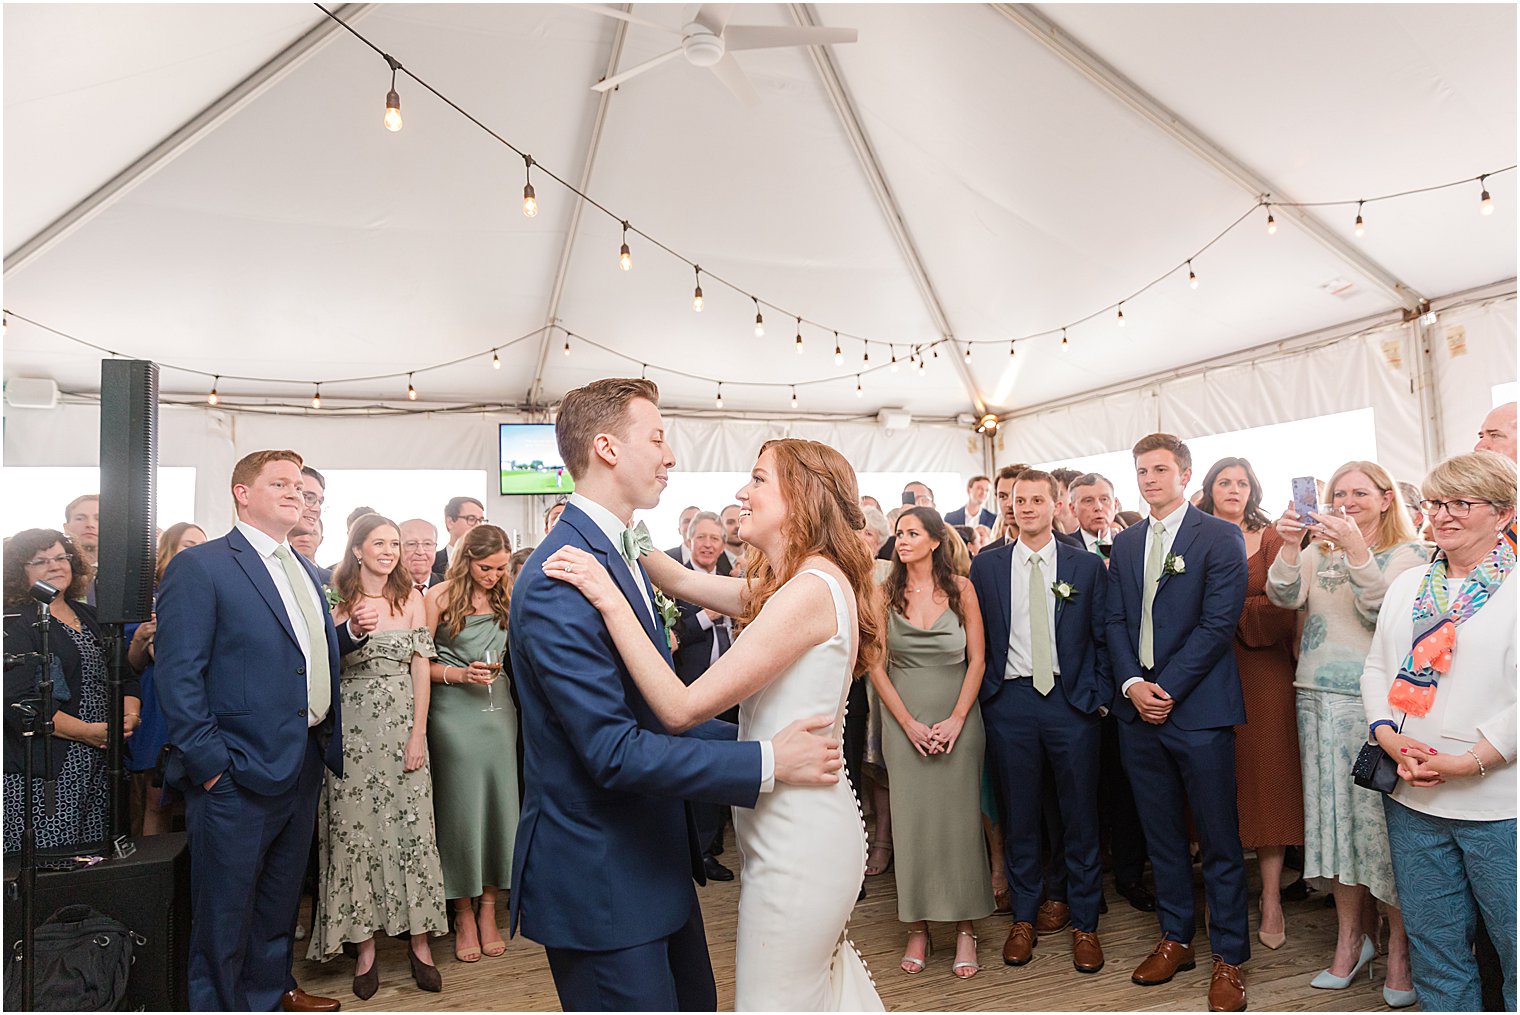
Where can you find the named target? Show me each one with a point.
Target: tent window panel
(398, 494)
(36, 496)
(1503, 393)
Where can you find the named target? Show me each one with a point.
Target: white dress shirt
(706, 623)
(612, 527)
(1020, 657)
(264, 545)
(1089, 540)
(734, 560)
(1171, 523)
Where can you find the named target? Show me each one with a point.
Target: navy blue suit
(1190, 758)
(231, 683)
(607, 850)
(958, 517)
(1024, 727)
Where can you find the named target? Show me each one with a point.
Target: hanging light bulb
(1012, 348)
(859, 391)
(935, 350)
(1485, 203)
(838, 352)
(411, 392)
(567, 345)
(968, 352)
(5, 324)
(922, 366)
(696, 294)
(892, 349)
(1065, 342)
(794, 396)
(798, 344)
(1271, 222)
(530, 199)
(625, 256)
(392, 100)
(718, 402)
(495, 360)
(1192, 278)
(212, 398)
(866, 358)
(1121, 315)
(316, 398)
(1361, 227)
(759, 320)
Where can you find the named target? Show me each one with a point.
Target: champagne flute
(492, 658)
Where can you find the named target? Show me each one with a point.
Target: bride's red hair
(823, 518)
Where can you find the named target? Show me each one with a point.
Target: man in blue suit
(247, 671)
(606, 852)
(1043, 610)
(1177, 583)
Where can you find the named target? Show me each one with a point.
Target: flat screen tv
(530, 461)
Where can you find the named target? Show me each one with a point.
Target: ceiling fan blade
(613, 12)
(732, 75)
(621, 76)
(713, 17)
(775, 36)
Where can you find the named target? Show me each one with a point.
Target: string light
(838, 352)
(696, 294)
(759, 320)
(567, 344)
(1485, 203)
(798, 344)
(922, 366)
(866, 359)
(1361, 227)
(625, 256)
(718, 402)
(1192, 278)
(495, 360)
(968, 352)
(1065, 342)
(1013, 348)
(530, 199)
(1271, 222)
(859, 391)
(794, 396)
(411, 392)
(212, 398)
(892, 349)
(392, 99)
(5, 324)
(1121, 314)
(316, 398)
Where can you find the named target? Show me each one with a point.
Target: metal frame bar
(187, 134)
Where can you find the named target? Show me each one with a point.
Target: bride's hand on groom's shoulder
(575, 566)
(804, 757)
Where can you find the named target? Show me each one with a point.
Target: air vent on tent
(1338, 287)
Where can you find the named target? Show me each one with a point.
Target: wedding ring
(569, 567)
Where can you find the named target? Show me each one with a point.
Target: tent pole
(1427, 389)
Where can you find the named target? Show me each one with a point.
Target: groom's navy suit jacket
(606, 849)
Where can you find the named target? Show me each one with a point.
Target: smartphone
(1305, 498)
(909, 498)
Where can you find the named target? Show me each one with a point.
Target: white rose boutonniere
(1063, 591)
(1174, 565)
(333, 596)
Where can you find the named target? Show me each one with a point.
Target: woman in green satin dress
(472, 737)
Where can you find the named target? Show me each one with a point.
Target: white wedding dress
(804, 850)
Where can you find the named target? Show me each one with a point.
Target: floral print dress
(378, 869)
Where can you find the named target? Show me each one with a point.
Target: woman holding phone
(1360, 542)
(472, 737)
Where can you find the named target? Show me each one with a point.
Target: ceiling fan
(708, 40)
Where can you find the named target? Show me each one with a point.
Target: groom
(607, 850)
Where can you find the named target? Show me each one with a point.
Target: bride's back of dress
(804, 849)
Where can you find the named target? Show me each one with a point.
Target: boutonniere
(332, 595)
(1063, 591)
(669, 614)
(1174, 565)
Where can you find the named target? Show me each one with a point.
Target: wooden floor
(1275, 981)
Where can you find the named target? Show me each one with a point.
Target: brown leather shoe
(1053, 916)
(1019, 948)
(1227, 988)
(1167, 960)
(1086, 953)
(299, 1000)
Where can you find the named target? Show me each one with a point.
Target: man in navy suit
(247, 671)
(1177, 583)
(975, 511)
(1047, 678)
(606, 852)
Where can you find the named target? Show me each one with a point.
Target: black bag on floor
(83, 959)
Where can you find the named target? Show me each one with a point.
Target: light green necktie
(319, 687)
(1039, 629)
(1153, 564)
(634, 542)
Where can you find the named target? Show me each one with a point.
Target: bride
(805, 634)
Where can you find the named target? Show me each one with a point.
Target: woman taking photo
(934, 741)
(81, 697)
(378, 856)
(1266, 747)
(473, 737)
(1442, 665)
(1361, 542)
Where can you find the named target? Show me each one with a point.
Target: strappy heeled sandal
(911, 964)
(873, 869)
(974, 966)
(496, 948)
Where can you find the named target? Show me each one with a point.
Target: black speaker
(128, 480)
(149, 892)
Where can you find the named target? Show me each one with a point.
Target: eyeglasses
(1455, 508)
(62, 558)
(414, 546)
(472, 519)
(313, 499)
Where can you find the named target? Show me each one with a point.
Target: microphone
(42, 592)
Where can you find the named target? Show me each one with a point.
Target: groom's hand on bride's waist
(805, 754)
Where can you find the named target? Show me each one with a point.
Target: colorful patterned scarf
(1436, 619)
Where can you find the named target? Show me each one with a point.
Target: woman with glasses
(1439, 693)
(1358, 545)
(81, 699)
(472, 737)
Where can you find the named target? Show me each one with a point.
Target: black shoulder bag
(1374, 769)
(83, 960)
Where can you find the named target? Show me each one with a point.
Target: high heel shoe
(973, 966)
(495, 948)
(911, 964)
(366, 983)
(1327, 980)
(426, 975)
(1395, 998)
(873, 869)
(1272, 941)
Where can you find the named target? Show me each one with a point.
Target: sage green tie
(1039, 629)
(1153, 563)
(319, 686)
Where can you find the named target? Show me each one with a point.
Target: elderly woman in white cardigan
(1443, 664)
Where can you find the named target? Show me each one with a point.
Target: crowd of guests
(1062, 680)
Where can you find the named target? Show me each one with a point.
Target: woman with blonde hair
(807, 608)
(1360, 543)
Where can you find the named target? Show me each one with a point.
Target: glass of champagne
(492, 660)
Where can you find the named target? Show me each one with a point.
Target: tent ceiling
(300, 239)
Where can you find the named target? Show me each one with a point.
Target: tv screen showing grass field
(530, 461)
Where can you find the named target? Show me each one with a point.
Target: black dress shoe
(715, 871)
(1137, 896)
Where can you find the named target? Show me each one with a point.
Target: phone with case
(1305, 498)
